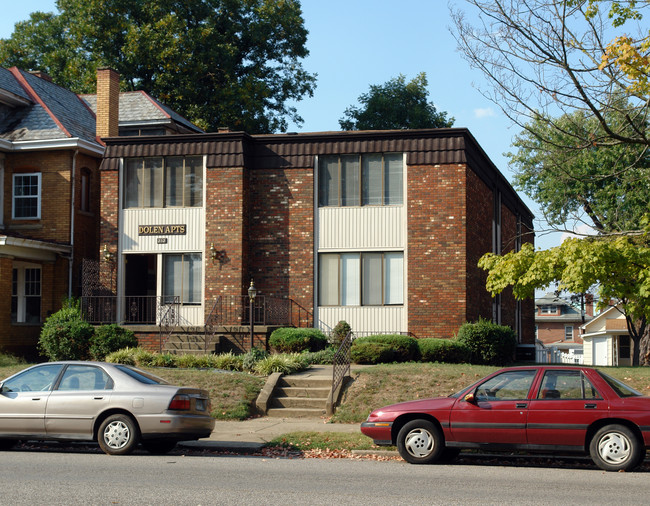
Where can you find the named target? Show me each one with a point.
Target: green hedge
(449, 351)
(488, 343)
(292, 340)
(384, 348)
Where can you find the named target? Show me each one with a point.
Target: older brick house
(382, 229)
(50, 152)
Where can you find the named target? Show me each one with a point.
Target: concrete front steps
(299, 396)
(187, 344)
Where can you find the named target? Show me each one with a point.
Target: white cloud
(484, 112)
(580, 231)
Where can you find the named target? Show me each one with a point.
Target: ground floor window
(361, 279)
(26, 294)
(182, 277)
(624, 346)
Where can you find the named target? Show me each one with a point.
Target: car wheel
(420, 442)
(7, 444)
(616, 448)
(118, 435)
(159, 446)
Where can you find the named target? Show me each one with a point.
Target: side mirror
(471, 398)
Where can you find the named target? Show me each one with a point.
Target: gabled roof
(139, 108)
(49, 112)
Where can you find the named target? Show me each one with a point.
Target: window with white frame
(174, 181)
(361, 279)
(360, 180)
(182, 277)
(26, 201)
(568, 332)
(548, 309)
(26, 294)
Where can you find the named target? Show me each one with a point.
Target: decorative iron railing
(341, 364)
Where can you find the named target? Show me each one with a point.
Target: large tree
(233, 63)
(395, 104)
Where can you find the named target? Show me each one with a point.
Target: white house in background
(606, 340)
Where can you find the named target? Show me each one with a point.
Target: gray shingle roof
(138, 107)
(55, 112)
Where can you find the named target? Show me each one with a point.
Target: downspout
(72, 203)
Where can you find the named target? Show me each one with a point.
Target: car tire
(616, 448)
(7, 444)
(420, 442)
(158, 446)
(118, 435)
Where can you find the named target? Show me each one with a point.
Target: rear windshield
(141, 376)
(619, 387)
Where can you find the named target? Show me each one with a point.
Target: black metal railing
(341, 364)
(236, 310)
(168, 317)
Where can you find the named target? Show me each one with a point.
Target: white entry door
(600, 351)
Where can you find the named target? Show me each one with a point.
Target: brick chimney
(589, 304)
(108, 102)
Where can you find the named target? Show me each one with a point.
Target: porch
(162, 324)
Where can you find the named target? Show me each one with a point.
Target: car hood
(421, 405)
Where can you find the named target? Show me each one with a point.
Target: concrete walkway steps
(300, 396)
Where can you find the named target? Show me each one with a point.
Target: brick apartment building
(50, 152)
(382, 229)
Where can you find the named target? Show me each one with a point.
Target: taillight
(180, 402)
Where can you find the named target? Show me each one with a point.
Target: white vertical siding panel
(366, 318)
(359, 228)
(192, 218)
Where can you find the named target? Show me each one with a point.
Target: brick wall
(108, 99)
(282, 233)
(108, 227)
(480, 212)
(55, 170)
(437, 295)
(226, 228)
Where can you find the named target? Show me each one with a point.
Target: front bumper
(380, 432)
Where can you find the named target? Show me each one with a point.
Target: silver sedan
(116, 405)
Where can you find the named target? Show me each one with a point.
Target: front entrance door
(140, 289)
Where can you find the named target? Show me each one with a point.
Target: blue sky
(355, 43)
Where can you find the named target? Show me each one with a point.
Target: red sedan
(536, 408)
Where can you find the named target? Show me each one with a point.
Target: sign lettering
(162, 229)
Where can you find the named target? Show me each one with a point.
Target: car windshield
(621, 389)
(141, 376)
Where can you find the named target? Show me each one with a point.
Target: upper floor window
(26, 202)
(173, 181)
(360, 180)
(548, 309)
(568, 332)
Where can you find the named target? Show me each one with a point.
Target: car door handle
(591, 406)
(521, 405)
(98, 398)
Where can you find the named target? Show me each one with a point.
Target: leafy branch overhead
(233, 63)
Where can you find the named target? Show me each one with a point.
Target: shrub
(252, 357)
(110, 338)
(7, 360)
(292, 340)
(488, 343)
(228, 361)
(371, 353)
(449, 351)
(340, 330)
(405, 348)
(65, 335)
(325, 356)
(287, 363)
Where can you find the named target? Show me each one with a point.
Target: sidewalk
(253, 434)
